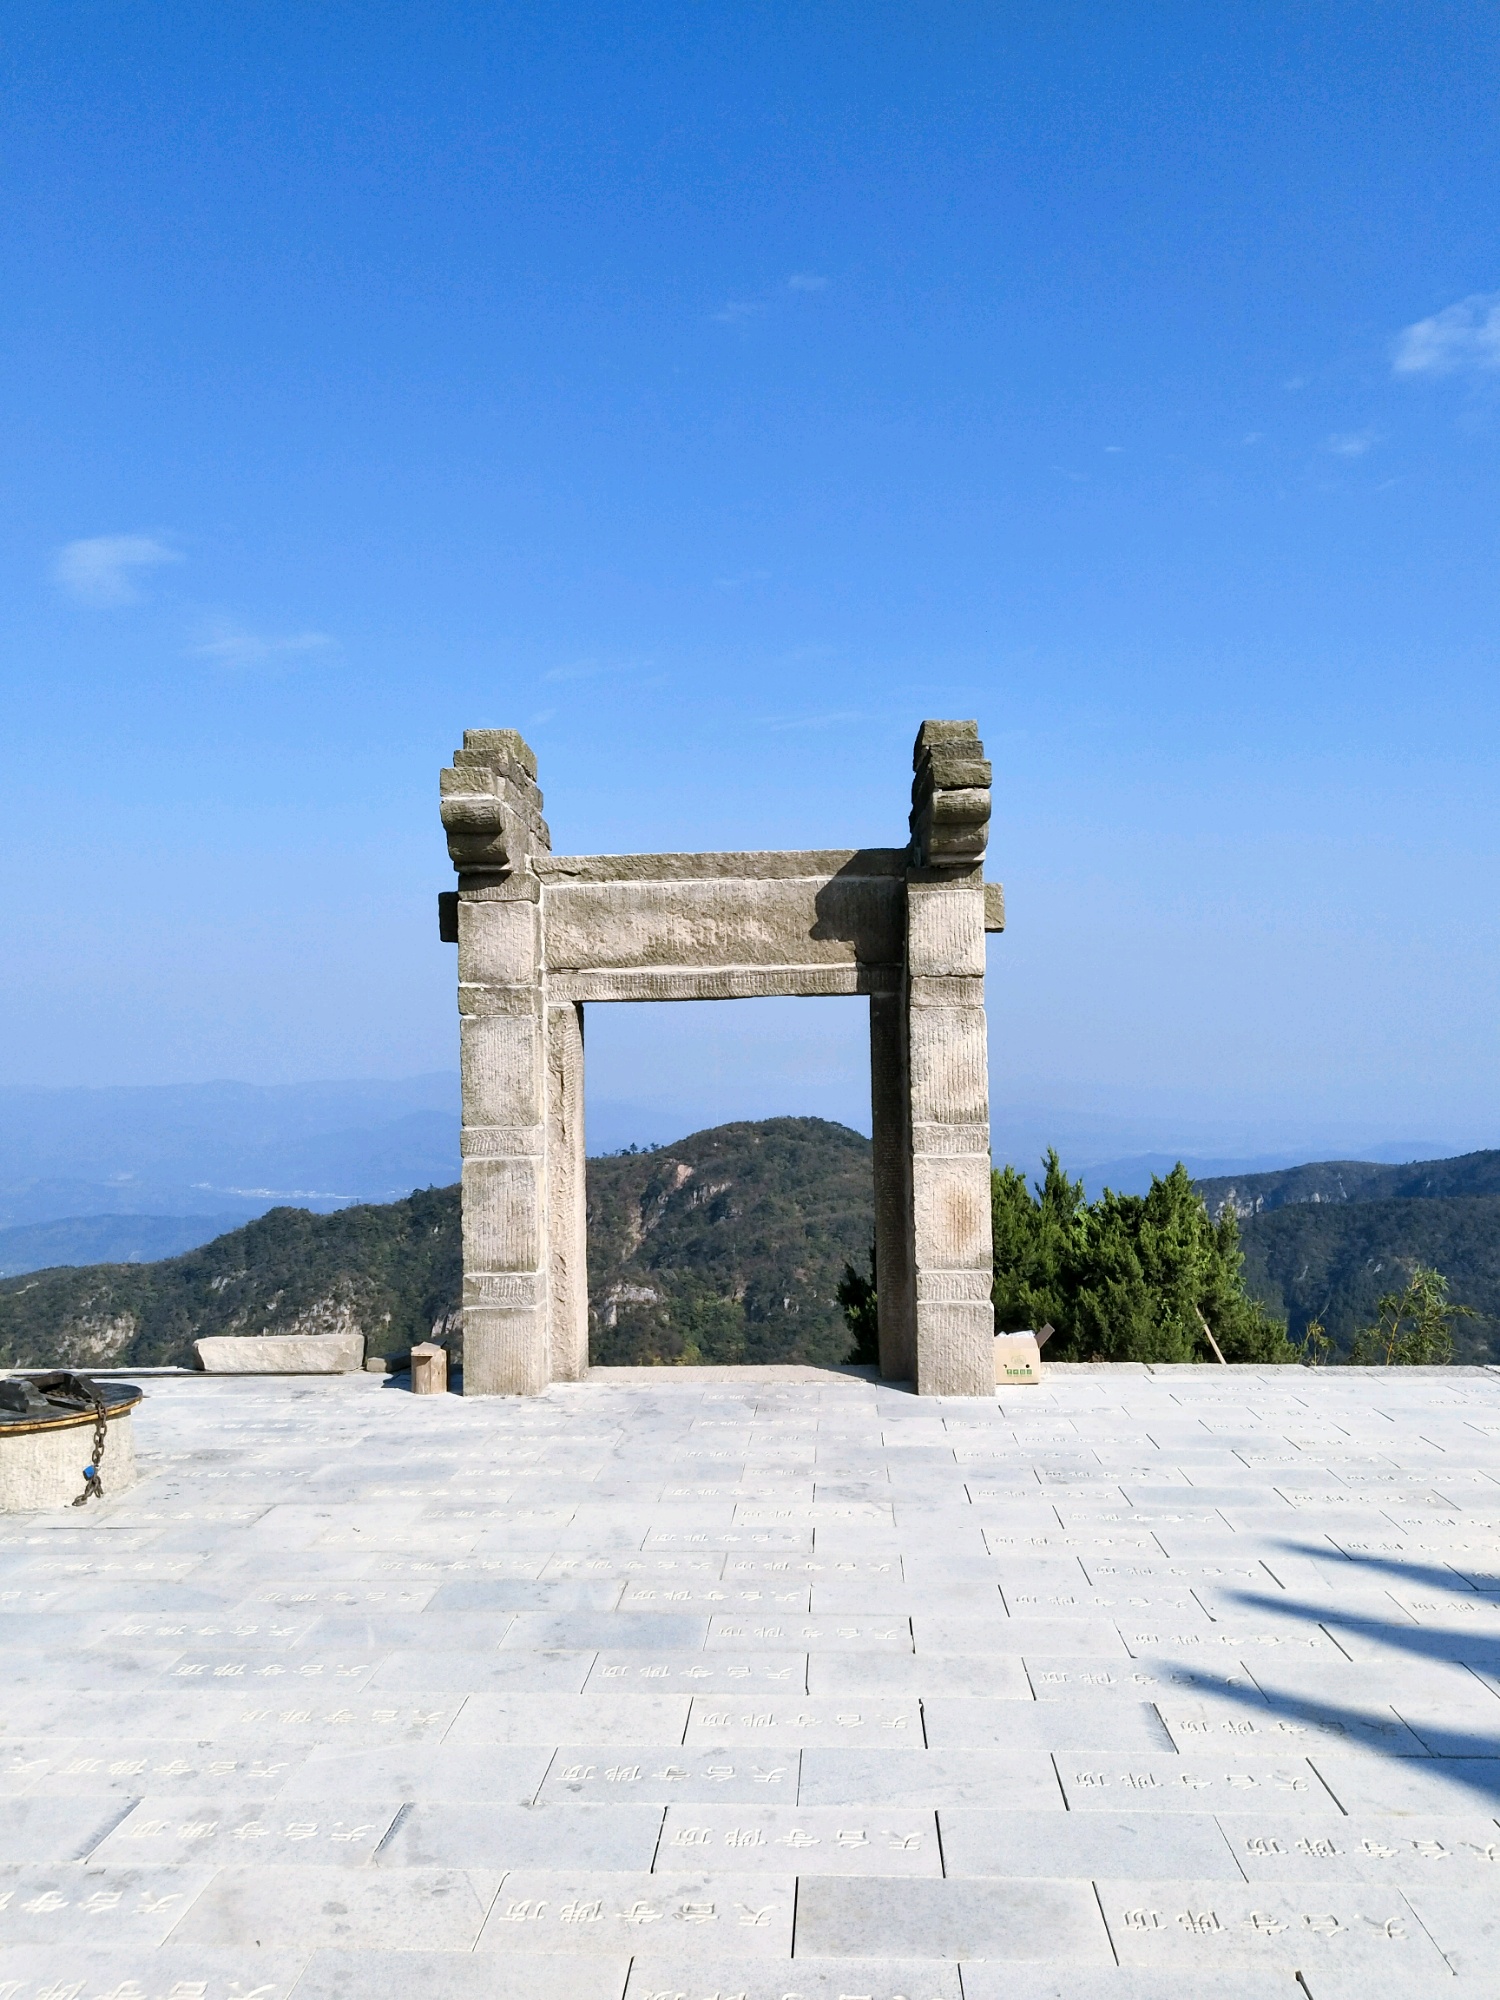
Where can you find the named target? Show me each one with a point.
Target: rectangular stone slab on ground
(281, 1353)
(305, 1811)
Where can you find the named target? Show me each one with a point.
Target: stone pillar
(492, 812)
(890, 1120)
(947, 1057)
(567, 1194)
(506, 1345)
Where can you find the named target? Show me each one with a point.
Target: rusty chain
(93, 1486)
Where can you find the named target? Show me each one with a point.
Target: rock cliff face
(728, 1245)
(724, 1247)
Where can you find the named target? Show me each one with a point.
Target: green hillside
(1340, 1181)
(727, 1246)
(1331, 1262)
(391, 1272)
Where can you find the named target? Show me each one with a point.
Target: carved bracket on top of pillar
(491, 807)
(950, 796)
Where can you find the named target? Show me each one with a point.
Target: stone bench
(281, 1354)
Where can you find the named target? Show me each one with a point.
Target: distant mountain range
(1339, 1181)
(221, 1149)
(106, 1239)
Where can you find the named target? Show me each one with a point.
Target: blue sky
(712, 392)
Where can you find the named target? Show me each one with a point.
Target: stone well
(43, 1458)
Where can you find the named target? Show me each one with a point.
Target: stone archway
(541, 935)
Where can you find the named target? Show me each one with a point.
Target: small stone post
(429, 1369)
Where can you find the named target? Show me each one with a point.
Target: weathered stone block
(955, 1350)
(951, 1198)
(721, 922)
(945, 931)
(505, 1353)
(497, 943)
(281, 1354)
(949, 1073)
(502, 1069)
(503, 1206)
(429, 1369)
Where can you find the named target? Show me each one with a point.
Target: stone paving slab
(765, 1683)
(807, 1979)
(86, 1968)
(1205, 1926)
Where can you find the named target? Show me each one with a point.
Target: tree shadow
(1463, 1750)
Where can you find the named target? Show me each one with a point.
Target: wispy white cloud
(734, 312)
(1461, 339)
(230, 645)
(103, 569)
(1351, 444)
(830, 721)
(578, 670)
(637, 671)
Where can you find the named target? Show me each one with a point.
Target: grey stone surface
(1040, 1921)
(692, 1915)
(813, 1840)
(930, 1778)
(806, 1979)
(1366, 1848)
(1088, 1845)
(378, 1829)
(1027, 1982)
(91, 1967)
(452, 1975)
(287, 1908)
(1203, 1926)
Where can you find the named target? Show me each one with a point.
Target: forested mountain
(727, 1246)
(1331, 1262)
(391, 1272)
(1339, 1181)
(1325, 1241)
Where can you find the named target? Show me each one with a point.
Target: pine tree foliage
(1414, 1327)
(1126, 1277)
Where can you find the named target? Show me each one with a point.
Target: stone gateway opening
(541, 935)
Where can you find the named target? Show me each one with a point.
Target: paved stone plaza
(764, 1682)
